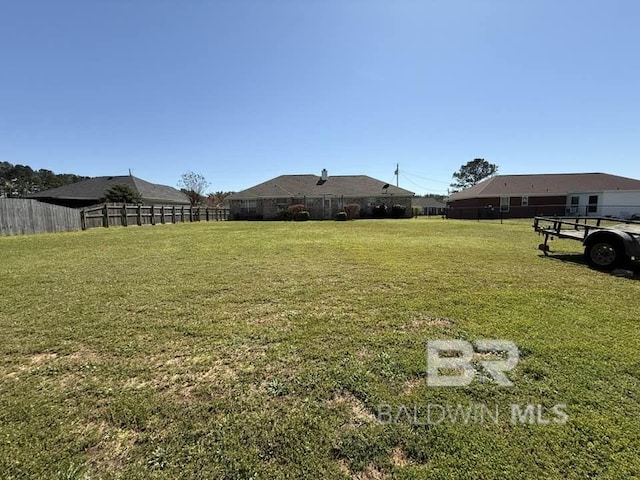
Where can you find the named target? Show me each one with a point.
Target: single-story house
(323, 196)
(562, 194)
(429, 205)
(93, 190)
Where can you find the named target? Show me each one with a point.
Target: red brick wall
(484, 208)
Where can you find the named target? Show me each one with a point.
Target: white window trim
(505, 203)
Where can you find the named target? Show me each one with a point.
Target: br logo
(446, 356)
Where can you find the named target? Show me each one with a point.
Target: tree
(473, 172)
(193, 185)
(21, 180)
(122, 193)
(216, 199)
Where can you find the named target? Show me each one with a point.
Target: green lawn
(265, 350)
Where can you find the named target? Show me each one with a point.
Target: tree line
(21, 180)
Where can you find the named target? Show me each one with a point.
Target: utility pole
(397, 174)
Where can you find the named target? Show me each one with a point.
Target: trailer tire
(605, 253)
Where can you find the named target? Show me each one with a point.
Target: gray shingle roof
(96, 188)
(427, 202)
(159, 193)
(311, 186)
(546, 184)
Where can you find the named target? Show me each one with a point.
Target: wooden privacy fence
(123, 215)
(20, 216)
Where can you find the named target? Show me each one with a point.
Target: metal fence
(497, 212)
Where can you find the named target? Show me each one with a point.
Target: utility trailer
(608, 242)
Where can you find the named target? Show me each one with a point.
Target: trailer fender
(631, 245)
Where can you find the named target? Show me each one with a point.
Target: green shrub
(416, 211)
(341, 216)
(398, 211)
(301, 216)
(380, 211)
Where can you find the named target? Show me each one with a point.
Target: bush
(293, 210)
(352, 210)
(302, 216)
(341, 217)
(398, 211)
(380, 211)
(416, 211)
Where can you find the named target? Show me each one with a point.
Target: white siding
(621, 204)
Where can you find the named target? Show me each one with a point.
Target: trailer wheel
(605, 253)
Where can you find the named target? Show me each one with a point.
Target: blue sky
(242, 91)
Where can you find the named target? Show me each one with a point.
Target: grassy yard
(268, 350)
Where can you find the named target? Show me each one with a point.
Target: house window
(593, 203)
(525, 201)
(248, 206)
(504, 204)
(574, 202)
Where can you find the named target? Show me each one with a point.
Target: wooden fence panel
(117, 215)
(23, 216)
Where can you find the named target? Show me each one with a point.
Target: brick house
(525, 196)
(429, 205)
(323, 196)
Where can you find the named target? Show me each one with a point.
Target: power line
(419, 186)
(425, 178)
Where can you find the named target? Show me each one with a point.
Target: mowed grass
(266, 350)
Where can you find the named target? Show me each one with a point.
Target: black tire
(605, 253)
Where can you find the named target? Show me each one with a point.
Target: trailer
(608, 242)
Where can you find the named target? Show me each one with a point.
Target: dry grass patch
(411, 385)
(369, 473)
(359, 414)
(399, 458)
(112, 451)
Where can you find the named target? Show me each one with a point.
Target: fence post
(83, 219)
(173, 213)
(162, 214)
(124, 215)
(153, 215)
(182, 214)
(139, 215)
(206, 213)
(105, 216)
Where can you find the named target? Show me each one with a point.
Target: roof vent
(324, 176)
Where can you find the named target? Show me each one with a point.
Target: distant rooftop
(314, 186)
(97, 187)
(546, 184)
